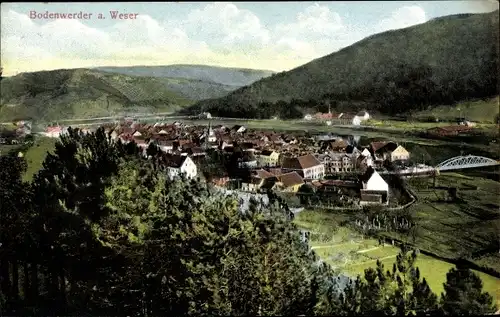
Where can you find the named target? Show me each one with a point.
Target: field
(467, 226)
(351, 253)
(483, 111)
(36, 154)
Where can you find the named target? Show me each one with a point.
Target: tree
(305, 192)
(463, 294)
(396, 292)
(117, 237)
(14, 213)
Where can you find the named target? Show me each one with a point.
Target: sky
(274, 36)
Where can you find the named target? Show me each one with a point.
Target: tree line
(101, 230)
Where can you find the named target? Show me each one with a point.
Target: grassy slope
(234, 77)
(479, 111)
(334, 244)
(36, 154)
(79, 93)
(455, 48)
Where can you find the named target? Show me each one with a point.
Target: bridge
(469, 161)
(454, 163)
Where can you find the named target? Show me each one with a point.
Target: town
(295, 164)
(226, 158)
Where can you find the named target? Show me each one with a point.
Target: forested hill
(442, 61)
(84, 93)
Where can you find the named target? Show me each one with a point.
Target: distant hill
(440, 62)
(233, 77)
(83, 93)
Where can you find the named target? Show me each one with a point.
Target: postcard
(250, 158)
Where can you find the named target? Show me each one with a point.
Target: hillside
(233, 77)
(485, 111)
(83, 93)
(440, 62)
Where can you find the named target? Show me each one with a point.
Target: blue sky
(266, 35)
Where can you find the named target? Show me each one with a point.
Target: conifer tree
(463, 294)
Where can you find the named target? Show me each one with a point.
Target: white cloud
(316, 31)
(216, 33)
(402, 18)
(315, 21)
(225, 24)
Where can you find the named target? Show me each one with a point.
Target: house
(324, 116)
(381, 150)
(268, 158)
(366, 153)
(248, 160)
(346, 119)
(356, 120)
(338, 145)
(205, 115)
(375, 189)
(337, 162)
(253, 185)
(289, 182)
(178, 165)
(275, 171)
(308, 166)
(364, 160)
(259, 180)
(238, 129)
(142, 144)
(449, 130)
(362, 163)
(166, 146)
(195, 151)
(399, 154)
(23, 127)
(468, 123)
(220, 181)
(308, 117)
(163, 132)
(362, 116)
(55, 131)
(136, 134)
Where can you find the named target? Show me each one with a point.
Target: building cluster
(279, 161)
(339, 118)
(452, 130)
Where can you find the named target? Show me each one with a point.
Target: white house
(363, 115)
(369, 159)
(181, 164)
(206, 115)
(166, 146)
(360, 117)
(356, 120)
(375, 182)
(375, 189)
(307, 166)
(248, 160)
(163, 132)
